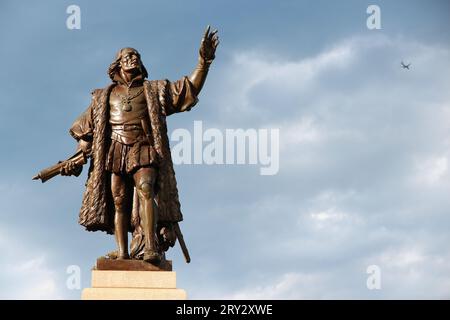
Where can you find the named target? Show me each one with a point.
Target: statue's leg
(119, 193)
(144, 180)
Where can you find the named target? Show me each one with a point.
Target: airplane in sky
(405, 66)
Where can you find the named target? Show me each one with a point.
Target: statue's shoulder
(97, 93)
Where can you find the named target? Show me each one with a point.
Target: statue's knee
(119, 200)
(145, 189)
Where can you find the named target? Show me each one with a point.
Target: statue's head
(129, 60)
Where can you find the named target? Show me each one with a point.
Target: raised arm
(207, 51)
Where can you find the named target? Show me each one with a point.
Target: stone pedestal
(137, 280)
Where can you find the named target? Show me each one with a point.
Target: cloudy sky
(364, 144)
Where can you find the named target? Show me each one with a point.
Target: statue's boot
(152, 256)
(151, 252)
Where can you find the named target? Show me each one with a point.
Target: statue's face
(130, 61)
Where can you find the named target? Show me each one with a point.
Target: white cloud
(405, 257)
(305, 131)
(24, 272)
(431, 170)
(328, 215)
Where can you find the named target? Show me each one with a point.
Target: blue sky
(364, 145)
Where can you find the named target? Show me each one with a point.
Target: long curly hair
(114, 67)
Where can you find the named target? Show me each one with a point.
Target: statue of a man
(131, 185)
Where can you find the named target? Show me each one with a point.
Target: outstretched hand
(209, 44)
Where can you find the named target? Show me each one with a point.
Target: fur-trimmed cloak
(163, 98)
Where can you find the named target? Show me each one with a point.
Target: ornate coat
(163, 99)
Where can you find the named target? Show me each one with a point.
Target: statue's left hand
(209, 44)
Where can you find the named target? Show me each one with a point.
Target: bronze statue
(131, 185)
